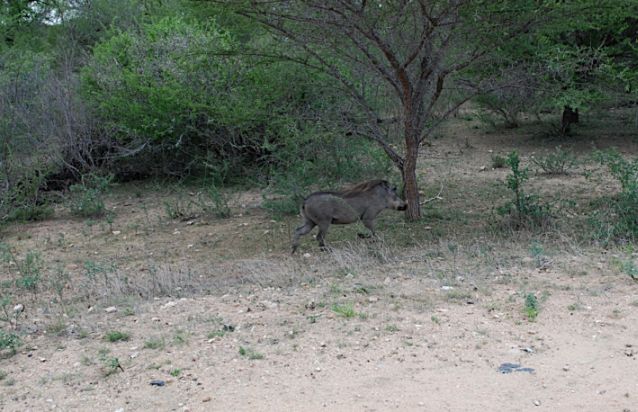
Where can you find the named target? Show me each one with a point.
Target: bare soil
(222, 315)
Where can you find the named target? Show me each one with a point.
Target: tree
(387, 54)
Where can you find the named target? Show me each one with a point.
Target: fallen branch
(437, 197)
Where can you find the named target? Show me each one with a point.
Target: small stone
(18, 308)
(318, 369)
(119, 410)
(207, 399)
(566, 368)
(110, 309)
(322, 344)
(447, 287)
(116, 232)
(307, 255)
(537, 402)
(43, 359)
(134, 355)
(483, 168)
(387, 281)
(158, 382)
(373, 299)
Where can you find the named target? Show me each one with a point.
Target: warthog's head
(393, 199)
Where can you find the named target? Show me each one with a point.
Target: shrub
(498, 161)
(116, 336)
(9, 343)
(559, 162)
(524, 210)
(617, 217)
(87, 196)
(531, 306)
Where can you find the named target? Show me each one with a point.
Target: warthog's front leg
(368, 222)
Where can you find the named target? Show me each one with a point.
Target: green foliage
(347, 310)
(175, 372)
(250, 353)
(9, 342)
(23, 201)
(154, 343)
(87, 196)
(116, 336)
(531, 307)
(524, 210)
(498, 161)
(616, 219)
(558, 162)
(29, 269)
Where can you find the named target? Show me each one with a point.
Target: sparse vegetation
(524, 211)
(154, 343)
(346, 310)
(531, 307)
(87, 196)
(558, 162)
(9, 343)
(250, 353)
(116, 336)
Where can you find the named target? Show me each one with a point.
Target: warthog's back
(329, 207)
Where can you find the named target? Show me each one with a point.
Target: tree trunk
(410, 185)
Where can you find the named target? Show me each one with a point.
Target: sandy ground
(241, 325)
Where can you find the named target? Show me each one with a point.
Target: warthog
(361, 202)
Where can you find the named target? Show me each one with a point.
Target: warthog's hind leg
(300, 231)
(321, 236)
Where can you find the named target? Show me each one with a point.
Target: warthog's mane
(363, 187)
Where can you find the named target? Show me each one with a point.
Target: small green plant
(250, 353)
(175, 372)
(28, 270)
(180, 337)
(23, 201)
(116, 336)
(629, 268)
(392, 328)
(617, 217)
(87, 196)
(9, 343)
(436, 319)
(3, 374)
(57, 327)
(110, 366)
(531, 307)
(216, 202)
(524, 210)
(154, 343)
(346, 310)
(216, 334)
(498, 161)
(558, 162)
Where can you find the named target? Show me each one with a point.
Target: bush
(87, 196)
(559, 162)
(524, 211)
(498, 161)
(9, 343)
(617, 217)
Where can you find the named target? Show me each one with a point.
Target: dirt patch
(219, 316)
